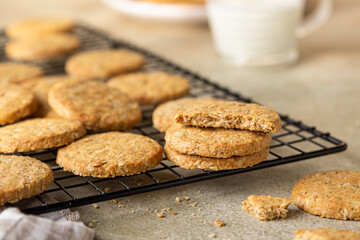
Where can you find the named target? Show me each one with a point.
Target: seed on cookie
(36, 134)
(151, 88)
(110, 154)
(215, 142)
(40, 48)
(266, 208)
(37, 27)
(15, 103)
(22, 177)
(230, 115)
(163, 115)
(96, 105)
(215, 164)
(11, 72)
(103, 63)
(329, 194)
(325, 234)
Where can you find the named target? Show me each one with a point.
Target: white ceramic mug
(261, 32)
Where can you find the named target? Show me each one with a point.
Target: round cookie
(39, 133)
(103, 63)
(41, 87)
(151, 88)
(22, 177)
(215, 142)
(163, 115)
(40, 48)
(325, 234)
(15, 103)
(329, 194)
(38, 27)
(11, 72)
(215, 164)
(110, 154)
(96, 105)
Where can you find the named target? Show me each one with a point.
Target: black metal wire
(86, 190)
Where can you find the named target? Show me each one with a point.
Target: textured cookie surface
(103, 63)
(15, 103)
(215, 142)
(39, 48)
(36, 134)
(16, 73)
(329, 194)
(266, 208)
(22, 177)
(230, 115)
(163, 115)
(216, 164)
(38, 27)
(96, 105)
(151, 88)
(325, 234)
(110, 154)
(41, 87)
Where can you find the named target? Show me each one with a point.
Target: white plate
(159, 11)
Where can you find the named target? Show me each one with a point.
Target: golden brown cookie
(22, 177)
(41, 87)
(38, 27)
(329, 194)
(215, 142)
(216, 164)
(96, 105)
(325, 234)
(163, 115)
(103, 63)
(11, 72)
(151, 88)
(39, 133)
(42, 48)
(110, 154)
(266, 208)
(230, 115)
(15, 103)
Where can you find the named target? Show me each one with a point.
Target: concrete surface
(322, 89)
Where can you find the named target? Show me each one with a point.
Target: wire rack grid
(295, 142)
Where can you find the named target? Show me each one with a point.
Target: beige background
(322, 89)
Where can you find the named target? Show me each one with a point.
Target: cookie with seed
(95, 105)
(329, 194)
(110, 154)
(215, 142)
(11, 72)
(228, 114)
(22, 177)
(216, 164)
(266, 208)
(38, 27)
(325, 234)
(42, 48)
(151, 88)
(163, 115)
(15, 103)
(39, 133)
(103, 63)
(41, 87)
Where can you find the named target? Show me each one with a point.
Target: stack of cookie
(221, 135)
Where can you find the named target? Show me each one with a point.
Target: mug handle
(316, 19)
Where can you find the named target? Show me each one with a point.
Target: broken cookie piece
(266, 208)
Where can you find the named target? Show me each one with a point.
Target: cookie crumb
(91, 225)
(177, 199)
(96, 206)
(121, 206)
(160, 215)
(113, 201)
(193, 204)
(192, 214)
(94, 221)
(219, 223)
(186, 199)
(174, 213)
(199, 209)
(107, 189)
(163, 237)
(212, 235)
(133, 211)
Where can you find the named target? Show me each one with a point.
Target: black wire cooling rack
(296, 141)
